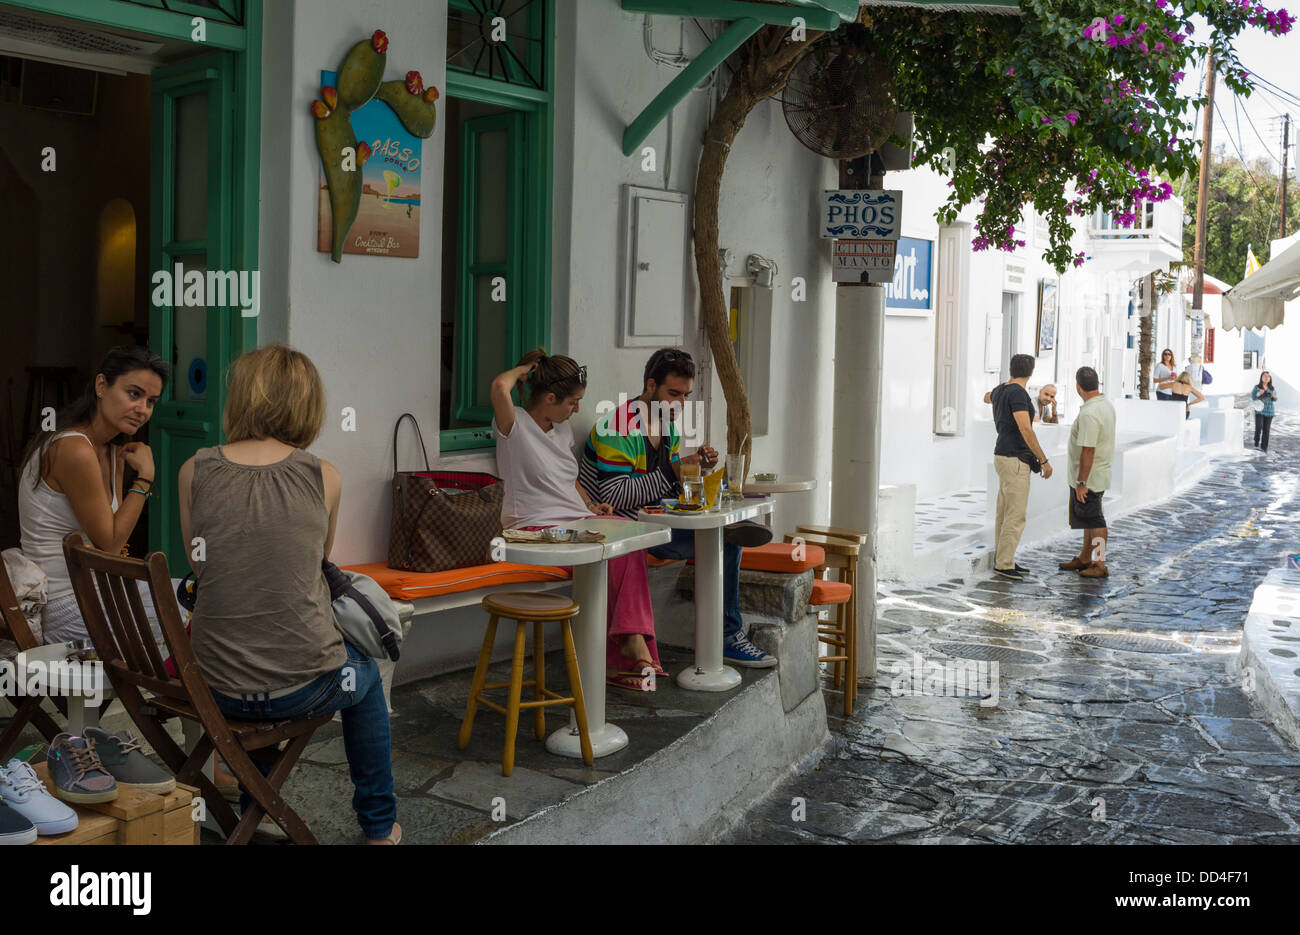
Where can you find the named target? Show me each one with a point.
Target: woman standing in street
(1164, 372)
(1266, 393)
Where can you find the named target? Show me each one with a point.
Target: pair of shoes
(15, 828)
(1075, 564)
(1096, 570)
(23, 792)
(741, 652)
(122, 757)
(1011, 574)
(746, 534)
(394, 836)
(77, 773)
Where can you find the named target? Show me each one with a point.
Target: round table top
(707, 519)
(784, 483)
(621, 538)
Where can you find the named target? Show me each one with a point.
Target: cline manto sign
(864, 224)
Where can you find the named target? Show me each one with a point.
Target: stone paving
(1118, 716)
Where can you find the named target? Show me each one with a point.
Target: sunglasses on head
(670, 356)
(580, 376)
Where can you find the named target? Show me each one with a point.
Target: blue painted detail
(911, 285)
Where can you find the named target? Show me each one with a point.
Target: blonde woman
(1181, 388)
(263, 628)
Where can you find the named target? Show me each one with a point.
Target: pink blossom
(1010, 72)
(1072, 117)
(1046, 119)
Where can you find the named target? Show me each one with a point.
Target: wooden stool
(842, 547)
(524, 608)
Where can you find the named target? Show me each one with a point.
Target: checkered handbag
(442, 519)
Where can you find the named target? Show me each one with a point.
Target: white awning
(1258, 301)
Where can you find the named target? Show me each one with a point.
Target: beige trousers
(1013, 498)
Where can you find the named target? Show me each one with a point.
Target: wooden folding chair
(114, 613)
(14, 627)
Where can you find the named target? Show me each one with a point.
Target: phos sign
(861, 214)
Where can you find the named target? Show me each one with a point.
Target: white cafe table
(784, 483)
(591, 591)
(709, 674)
(82, 711)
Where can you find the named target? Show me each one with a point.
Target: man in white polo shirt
(1091, 450)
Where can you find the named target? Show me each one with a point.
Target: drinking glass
(690, 489)
(712, 489)
(736, 476)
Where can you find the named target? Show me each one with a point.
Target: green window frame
(528, 270)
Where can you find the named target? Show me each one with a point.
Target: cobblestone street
(1119, 716)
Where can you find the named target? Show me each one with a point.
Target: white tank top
(45, 517)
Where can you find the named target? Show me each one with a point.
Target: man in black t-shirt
(1015, 455)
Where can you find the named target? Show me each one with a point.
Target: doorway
(118, 157)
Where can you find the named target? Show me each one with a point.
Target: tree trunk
(1146, 338)
(766, 61)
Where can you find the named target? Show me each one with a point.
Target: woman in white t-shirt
(1164, 373)
(535, 458)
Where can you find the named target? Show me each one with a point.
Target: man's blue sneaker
(741, 652)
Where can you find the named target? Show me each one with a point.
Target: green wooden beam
(846, 10)
(770, 14)
(156, 21)
(731, 39)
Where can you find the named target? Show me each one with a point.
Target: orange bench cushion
(779, 556)
(830, 592)
(412, 585)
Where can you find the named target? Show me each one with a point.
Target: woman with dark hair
(1164, 372)
(1266, 393)
(535, 457)
(72, 477)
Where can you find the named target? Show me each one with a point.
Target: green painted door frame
(231, 75)
(532, 295)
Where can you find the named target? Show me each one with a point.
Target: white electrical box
(655, 273)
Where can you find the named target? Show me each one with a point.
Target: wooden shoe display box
(134, 817)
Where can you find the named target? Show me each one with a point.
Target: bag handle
(423, 450)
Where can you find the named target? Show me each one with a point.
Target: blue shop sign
(911, 285)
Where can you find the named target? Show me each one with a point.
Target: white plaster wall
(768, 206)
(370, 324)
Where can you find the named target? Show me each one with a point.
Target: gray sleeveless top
(262, 620)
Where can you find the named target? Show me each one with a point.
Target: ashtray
(765, 478)
(557, 534)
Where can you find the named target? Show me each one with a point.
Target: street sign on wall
(910, 285)
(861, 214)
(862, 260)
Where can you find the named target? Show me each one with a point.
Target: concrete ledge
(1270, 650)
(695, 789)
(794, 644)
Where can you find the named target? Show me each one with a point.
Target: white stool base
(607, 739)
(698, 680)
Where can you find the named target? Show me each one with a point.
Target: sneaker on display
(22, 790)
(122, 757)
(77, 773)
(741, 652)
(14, 827)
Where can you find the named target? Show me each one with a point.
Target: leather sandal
(1075, 564)
(1096, 570)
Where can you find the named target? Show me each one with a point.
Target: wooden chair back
(13, 624)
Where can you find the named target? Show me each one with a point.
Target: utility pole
(1286, 144)
(1203, 188)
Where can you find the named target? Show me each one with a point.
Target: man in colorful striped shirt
(632, 459)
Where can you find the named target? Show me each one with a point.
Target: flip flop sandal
(629, 680)
(660, 671)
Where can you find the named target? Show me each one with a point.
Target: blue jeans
(682, 546)
(366, 739)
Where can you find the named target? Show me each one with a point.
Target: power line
(1267, 148)
(1259, 189)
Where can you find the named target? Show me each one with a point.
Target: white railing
(1156, 220)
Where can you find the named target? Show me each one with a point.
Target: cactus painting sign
(370, 136)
